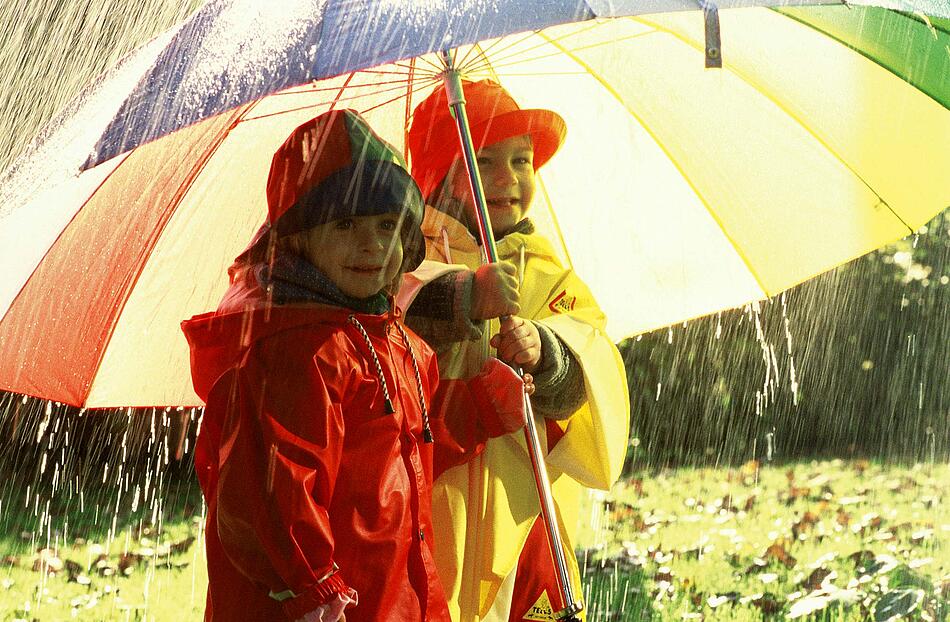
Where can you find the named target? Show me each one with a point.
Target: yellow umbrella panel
(680, 190)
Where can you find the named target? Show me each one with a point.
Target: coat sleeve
(594, 444)
(466, 413)
(281, 447)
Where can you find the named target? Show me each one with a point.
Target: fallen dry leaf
(779, 553)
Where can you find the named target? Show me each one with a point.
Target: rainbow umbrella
(681, 189)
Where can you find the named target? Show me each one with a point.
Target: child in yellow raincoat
(492, 554)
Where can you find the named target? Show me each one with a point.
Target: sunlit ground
(830, 540)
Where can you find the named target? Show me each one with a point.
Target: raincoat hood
(335, 166)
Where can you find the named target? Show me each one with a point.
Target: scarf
(291, 279)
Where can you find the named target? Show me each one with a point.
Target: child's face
(361, 255)
(507, 171)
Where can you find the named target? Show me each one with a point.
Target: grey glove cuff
(558, 379)
(441, 311)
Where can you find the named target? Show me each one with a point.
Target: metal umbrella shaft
(570, 606)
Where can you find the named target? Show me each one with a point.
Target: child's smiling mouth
(503, 202)
(367, 270)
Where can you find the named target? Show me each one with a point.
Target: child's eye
(482, 161)
(389, 224)
(343, 224)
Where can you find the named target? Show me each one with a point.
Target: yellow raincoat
(484, 509)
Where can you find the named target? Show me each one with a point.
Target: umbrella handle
(570, 605)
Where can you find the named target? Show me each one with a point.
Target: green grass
(70, 560)
(845, 538)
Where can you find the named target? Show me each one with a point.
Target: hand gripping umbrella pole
(570, 606)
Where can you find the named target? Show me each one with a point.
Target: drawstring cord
(379, 368)
(426, 432)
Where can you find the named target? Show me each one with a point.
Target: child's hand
(518, 343)
(495, 291)
(528, 381)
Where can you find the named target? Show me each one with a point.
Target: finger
(508, 268)
(524, 357)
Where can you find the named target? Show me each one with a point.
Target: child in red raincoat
(555, 330)
(315, 453)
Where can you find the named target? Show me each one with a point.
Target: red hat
(334, 166)
(493, 115)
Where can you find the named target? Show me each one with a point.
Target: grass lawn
(826, 540)
(830, 540)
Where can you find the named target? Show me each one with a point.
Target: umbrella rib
(498, 65)
(547, 41)
(790, 114)
(719, 223)
(435, 68)
(557, 224)
(334, 101)
(483, 52)
(407, 112)
(417, 69)
(422, 84)
(327, 89)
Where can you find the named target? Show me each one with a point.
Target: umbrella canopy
(680, 191)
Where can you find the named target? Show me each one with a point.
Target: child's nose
(370, 240)
(504, 175)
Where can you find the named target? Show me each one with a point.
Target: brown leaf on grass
(768, 604)
(750, 468)
(779, 553)
(621, 513)
(860, 466)
(807, 521)
(171, 565)
(872, 523)
(758, 565)
(790, 476)
(726, 503)
(797, 492)
(862, 558)
(73, 569)
(749, 504)
(181, 546)
(11, 561)
(663, 574)
(637, 484)
(128, 562)
(817, 577)
(843, 518)
(47, 561)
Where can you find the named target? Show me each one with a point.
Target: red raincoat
(312, 488)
